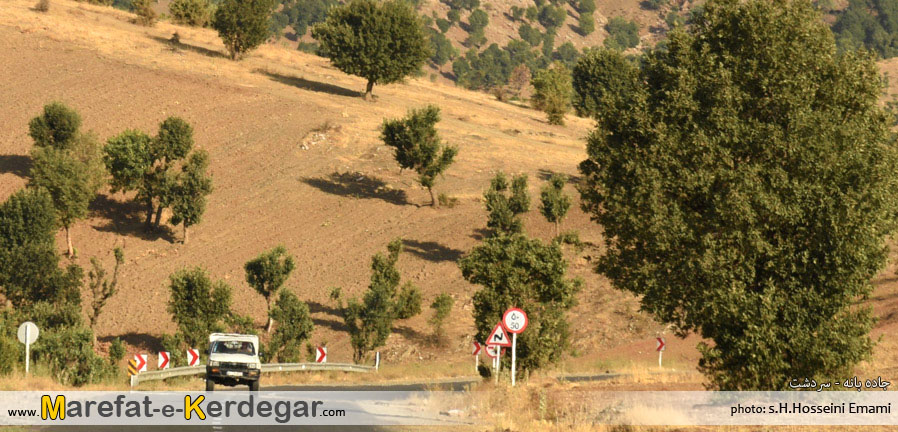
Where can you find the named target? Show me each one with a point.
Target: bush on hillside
(195, 13)
(146, 15)
(622, 34)
(242, 24)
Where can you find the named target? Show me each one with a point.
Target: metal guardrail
(266, 368)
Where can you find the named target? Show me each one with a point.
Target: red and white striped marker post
(476, 354)
(193, 357)
(162, 360)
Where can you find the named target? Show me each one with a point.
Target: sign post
(515, 321)
(27, 334)
(476, 354)
(660, 348)
(499, 339)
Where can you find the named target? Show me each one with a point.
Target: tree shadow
(412, 334)
(310, 85)
(432, 251)
(127, 218)
(316, 307)
(481, 233)
(334, 325)
(18, 165)
(188, 47)
(545, 175)
(357, 185)
(142, 341)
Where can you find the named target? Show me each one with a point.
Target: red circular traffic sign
(492, 351)
(515, 320)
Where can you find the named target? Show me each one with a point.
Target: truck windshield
(233, 347)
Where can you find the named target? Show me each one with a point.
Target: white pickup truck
(233, 360)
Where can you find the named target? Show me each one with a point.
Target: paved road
(458, 384)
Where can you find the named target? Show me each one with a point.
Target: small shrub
(441, 306)
(552, 92)
(587, 24)
(408, 302)
(622, 34)
(116, 351)
(195, 13)
(443, 24)
(309, 47)
(146, 15)
(42, 6)
(653, 4)
(447, 201)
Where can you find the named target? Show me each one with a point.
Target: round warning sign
(515, 320)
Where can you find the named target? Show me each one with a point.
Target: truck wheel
(210, 385)
(254, 386)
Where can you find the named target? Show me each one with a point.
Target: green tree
(515, 271)
(552, 17)
(101, 288)
(552, 92)
(382, 42)
(268, 272)
(442, 306)
(603, 81)
(56, 127)
(39, 290)
(242, 24)
(418, 145)
(505, 206)
(29, 264)
(442, 49)
(189, 191)
(586, 6)
(138, 162)
(370, 321)
(195, 13)
(622, 34)
(750, 206)
(554, 203)
(146, 15)
(198, 306)
(71, 183)
(294, 326)
(530, 34)
(454, 16)
(586, 23)
(408, 302)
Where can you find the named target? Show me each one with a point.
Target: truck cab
(233, 360)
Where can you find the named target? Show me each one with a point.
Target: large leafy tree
(147, 165)
(242, 24)
(267, 273)
(67, 164)
(198, 305)
(602, 81)
(382, 42)
(747, 192)
(29, 265)
(516, 271)
(418, 145)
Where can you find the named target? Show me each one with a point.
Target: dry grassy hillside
(297, 161)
